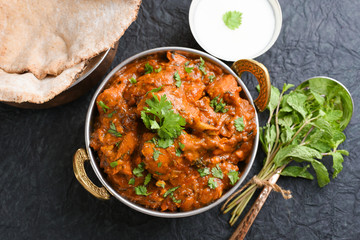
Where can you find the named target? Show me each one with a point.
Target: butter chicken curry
(172, 132)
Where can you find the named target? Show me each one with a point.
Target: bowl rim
(99, 173)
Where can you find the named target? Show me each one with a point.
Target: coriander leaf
(216, 172)
(138, 170)
(113, 130)
(141, 190)
(322, 174)
(177, 79)
(159, 164)
(156, 154)
(211, 78)
(232, 19)
(148, 68)
(158, 69)
(113, 164)
(187, 63)
(182, 146)
(132, 80)
(165, 142)
(189, 69)
(103, 106)
(160, 183)
(170, 191)
(204, 171)
(178, 152)
(201, 66)
(212, 183)
(296, 171)
(218, 106)
(233, 176)
(147, 179)
(131, 181)
(111, 114)
(239, 124)
(174, 199)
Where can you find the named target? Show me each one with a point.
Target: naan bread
(27, 88)
(49, 36)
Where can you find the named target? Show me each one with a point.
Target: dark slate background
(41, 199)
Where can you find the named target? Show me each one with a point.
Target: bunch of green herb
(303, 126)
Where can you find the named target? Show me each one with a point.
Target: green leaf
(174, 199)
(148, 68)
(138, 170)
(295, 151)
(232, 19)
(159, 164)
(274, 99)
(113, 130)
(158, 69)
(132, 80)
(170, 191)
(147, 179)
(297, 101)
(165, 142)
(338, 159)
(212, 183)
(239, 124)
(111, 114)
(233, 176)
(141, 190)
(204, 171)
(202, 66)
(216, 172)
(178, 152)
(218, 105)
(287, 87)
(103, 106)
(131, 181)
(322, 174)
(211, 78)
(189, 69)
(182, 146)
(156, 154)
(113, 164)
(296, 171)
(177, 79)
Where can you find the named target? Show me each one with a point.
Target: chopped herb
(187, 63)
(147, 179)
(156, 154)
(111, 114)
(160, 183)
(178, 152)
(239, 124)
(181, 145)
(189, 69)
(216, 172)
(118, 143)
(177, 79)
(103, 106)
(154, 90)
(159, 164)
(141, 190)
(165, 142)
(157, 70)
(113, 164)
(201, 66)
(232, 19)
(174, 199)
(113, 130)
(233, 176)
(218, 106)
(131, 181)
(171, 190)
(158, 173)
(132, 80)
(204, 171)
(211, 78)
(148, 68)
(212, 183)
(138, 170)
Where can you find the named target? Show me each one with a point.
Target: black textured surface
(41, 199)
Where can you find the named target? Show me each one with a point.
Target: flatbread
(49, 36)
(27, 88)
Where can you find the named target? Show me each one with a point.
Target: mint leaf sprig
(303, 126)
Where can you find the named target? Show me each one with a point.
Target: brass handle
(262, 75)
(78, 164)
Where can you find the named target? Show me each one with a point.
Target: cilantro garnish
(156, 154)
(239, 124)
(157, 70)
(189, 69)
(103, 106)
(187, 63)
(232, 19)
(177, 79)
(113, 164)
(160, 183)
(233, 176)
(131, 181)
(154, 90)
(139, 169)
(165, 142)
(175, 200)
(218, 106)
(181, 145)
(216, 172)
(159, 116)
(113, 130)
(178, 152)
(201, 66)
(212, 183)
(111, 114)
(211, 78)
(141, 190)
(147, 179)
(204, 171)
(132, 80)
(170, 191)
(159, 164)
(148, 68)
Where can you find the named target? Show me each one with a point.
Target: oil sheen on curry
(172, 132)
